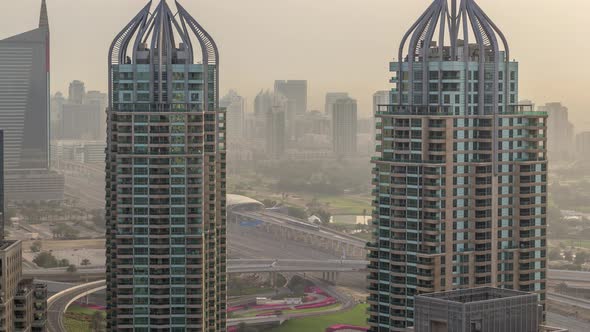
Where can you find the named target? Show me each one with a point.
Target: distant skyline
(337, 45)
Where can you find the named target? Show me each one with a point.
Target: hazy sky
(338, 45)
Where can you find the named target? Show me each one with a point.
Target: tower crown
(448, 31)
(163, 37)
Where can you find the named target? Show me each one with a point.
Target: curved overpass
(58, 304)
(234, 266)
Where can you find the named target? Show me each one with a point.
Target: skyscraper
(344, 126)
(560, 145)
(24, 115)
(166, 233)
(24, 97)
(100, 100)
(296, 93)
(331, 98)
(235, 106)
(460, 177)
(76, 92)
(275, 132)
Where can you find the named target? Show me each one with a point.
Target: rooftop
(477, 295)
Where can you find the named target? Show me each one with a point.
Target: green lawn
(73, 325)
(353, 205)
(76, 325)
(289, 312)
(84, 311)
(356, 316)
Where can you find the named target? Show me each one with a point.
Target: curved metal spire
(443, 33)
(164, 34)
(163, 38)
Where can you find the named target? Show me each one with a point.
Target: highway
(58, 304)
(572, 324)
(296, 224)
(569, 300)
(234, 266)
(564, 275)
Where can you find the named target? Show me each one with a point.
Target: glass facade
(166, 190)
(460, 176)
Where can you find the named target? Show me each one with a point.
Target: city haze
(337, 45)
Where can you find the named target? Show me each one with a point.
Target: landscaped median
(84, 318)
(315, 300)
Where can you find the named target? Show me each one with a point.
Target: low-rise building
(483, 309)
(23, 303)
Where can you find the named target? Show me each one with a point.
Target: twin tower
(460, 177)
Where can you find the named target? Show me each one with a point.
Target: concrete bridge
(330, 269)
(285, 228)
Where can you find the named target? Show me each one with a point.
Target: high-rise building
(275, 132)
(80, 121)
(57, 105)
(296, 93)
(24, 115)
(235, 106)
(344, 126)
(583, 146)
(100, 100)
(460, 176)
(560, 142)
(262, 104)
(331, 98)
(165, 174)
(82, 116)
(24, 97)
(76, 92)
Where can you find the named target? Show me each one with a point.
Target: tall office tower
(166, 230)
(24, 115)
(76, 92)
(344, 126)
(100, 100)
(296, 93)
(235, 106)
(560, 144)
(57, 106)
(460, 177)
(24, 97)
(331, 98)
(263, 102)
(275, 132)
(583, 146)
(82, 116)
